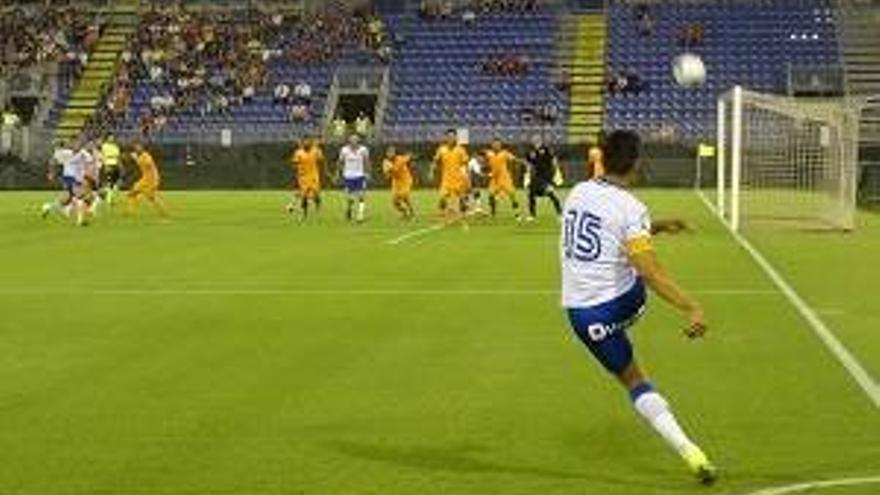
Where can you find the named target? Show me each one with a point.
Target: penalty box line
(415, 233)
(852, 365)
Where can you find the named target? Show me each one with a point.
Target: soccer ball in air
(688, 70)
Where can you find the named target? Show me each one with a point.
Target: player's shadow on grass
(461, 458)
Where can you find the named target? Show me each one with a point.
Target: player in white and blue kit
(73, 170)
(355, 159)
(607, 261)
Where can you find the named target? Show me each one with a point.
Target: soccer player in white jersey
(355, 158)
(92, 194)
(607, 260)
(73, 171)
(475, 173)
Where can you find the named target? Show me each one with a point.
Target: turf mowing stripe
(816, 485)
(849, 362)
(330, 292)
(415, 233)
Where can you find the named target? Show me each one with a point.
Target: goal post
(786, 161)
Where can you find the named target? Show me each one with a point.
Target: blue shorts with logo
(71, 185)
(356, 185)
(602, 328)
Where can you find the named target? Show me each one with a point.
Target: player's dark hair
(621, 150)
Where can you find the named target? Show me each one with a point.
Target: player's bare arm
(645, 261)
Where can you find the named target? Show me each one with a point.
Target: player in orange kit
(147, 185)
(306, 162)
(397, 166)
(452, 158)
(596, 158)
(498, 161)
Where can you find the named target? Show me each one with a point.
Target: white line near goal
(811, 486)
(855, 369)
(414, 234)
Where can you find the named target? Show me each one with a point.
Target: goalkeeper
(542, 175)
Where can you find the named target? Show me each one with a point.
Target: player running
(91, 193)
(147, 185)
(111, 169)
(595, 158)
(499, 161)
(354, 158)
(306, 162)
(607, 259)
(397, 167)
(476, 175)
(451, 158)
(542, 170)
(62, 159)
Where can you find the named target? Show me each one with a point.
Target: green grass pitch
(234, 351)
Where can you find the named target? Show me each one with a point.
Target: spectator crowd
(207, 62)
(33, 34)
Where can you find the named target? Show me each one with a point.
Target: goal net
(784, 161)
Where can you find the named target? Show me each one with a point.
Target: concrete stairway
(99, 70)
(582, 53)
(860, 43)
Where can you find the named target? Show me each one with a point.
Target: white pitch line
(415, 233)
(813, 485)
(855, 369)
(327, 292)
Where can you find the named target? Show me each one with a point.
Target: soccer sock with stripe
(654, 408)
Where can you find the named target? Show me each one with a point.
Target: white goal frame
(838, 117)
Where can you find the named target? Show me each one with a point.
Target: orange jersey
(307, 162)
(453, 160)
(595, 162)
(148, 169)
(399, 172)
(499, 165)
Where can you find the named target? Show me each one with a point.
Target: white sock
(654, 408)
(80, 213)
(361, 209)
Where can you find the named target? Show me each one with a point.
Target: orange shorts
(309, 186)
(453, 190)
(502, 186)
(145, 187)
(401, 190)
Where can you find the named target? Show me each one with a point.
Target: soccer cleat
(44, 212)
(700, 466)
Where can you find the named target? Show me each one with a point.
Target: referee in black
(542, 168)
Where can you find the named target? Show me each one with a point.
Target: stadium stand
(188, 72)
(495, 67)
(490, 70)
(52, 40)
(860, 38)
(748, 43)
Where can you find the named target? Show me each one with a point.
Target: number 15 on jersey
(581, 240)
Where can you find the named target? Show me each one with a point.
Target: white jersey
(61, 156)
(474, 167)
(600, 218)
(355, 160)
(75, 166)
